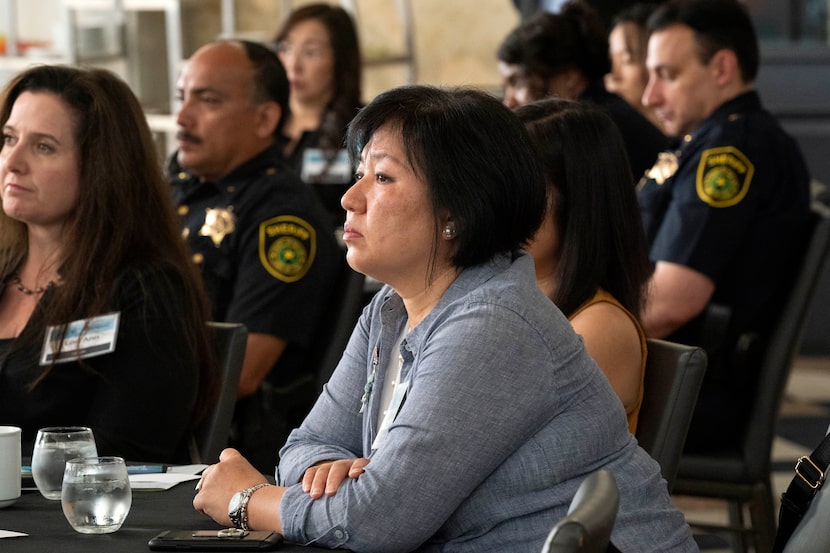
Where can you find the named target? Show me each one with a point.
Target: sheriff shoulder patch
(287, 246)
(723, 176)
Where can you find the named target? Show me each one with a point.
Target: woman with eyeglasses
(319, 48)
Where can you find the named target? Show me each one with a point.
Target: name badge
(318, 169)
(391, 414)
(83, 339)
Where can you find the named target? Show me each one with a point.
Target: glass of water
(53, 447)
(96, 495)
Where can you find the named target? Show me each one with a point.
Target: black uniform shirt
(266, 249)
(731, 202)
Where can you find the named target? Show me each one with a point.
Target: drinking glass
(96, 495)
(53, 447)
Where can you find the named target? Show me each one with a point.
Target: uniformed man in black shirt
(261, 237)
(726, 208)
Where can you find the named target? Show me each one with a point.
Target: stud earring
(449, 231)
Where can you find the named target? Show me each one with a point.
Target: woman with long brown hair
(102, 316)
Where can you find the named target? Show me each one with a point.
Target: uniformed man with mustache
(261, 237)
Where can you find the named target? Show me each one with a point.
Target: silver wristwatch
(238, 506)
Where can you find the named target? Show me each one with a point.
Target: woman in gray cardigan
(465, 411)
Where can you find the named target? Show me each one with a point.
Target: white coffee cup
(9, 465)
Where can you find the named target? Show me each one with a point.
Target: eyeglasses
(306, 52)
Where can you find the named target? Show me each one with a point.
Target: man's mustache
(183, 136)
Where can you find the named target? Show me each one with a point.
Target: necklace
(15, 279)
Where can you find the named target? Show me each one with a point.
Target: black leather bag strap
(808, 480)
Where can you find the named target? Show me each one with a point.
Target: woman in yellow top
(590, 251)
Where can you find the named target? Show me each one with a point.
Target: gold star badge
(218, 224)
(664, 168)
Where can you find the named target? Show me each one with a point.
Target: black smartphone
(226, 539)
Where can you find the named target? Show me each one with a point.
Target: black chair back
(779, 355)
(587, 527)
(212, 435)
(674, 374)
(348, 304)
(744, 477)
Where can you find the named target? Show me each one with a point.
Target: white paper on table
(10, 534)
(187, 469)
(159, 481)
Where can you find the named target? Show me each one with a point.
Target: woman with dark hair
(565, 55)
(102, 317)
(318, 45)
(465, 411)
(590, 252)
(627, 43)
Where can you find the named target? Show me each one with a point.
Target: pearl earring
(449, 231)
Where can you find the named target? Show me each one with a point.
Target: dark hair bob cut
(475, 157)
